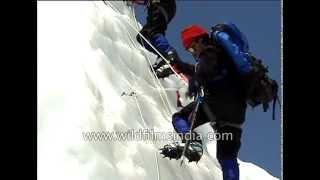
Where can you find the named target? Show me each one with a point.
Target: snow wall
(89, 65)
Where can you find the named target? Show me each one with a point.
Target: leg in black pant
(159, 16)
(228, 146)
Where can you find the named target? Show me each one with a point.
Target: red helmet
(191, 33)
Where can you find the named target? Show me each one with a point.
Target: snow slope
(87, 57)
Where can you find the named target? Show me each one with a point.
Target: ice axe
(199, 99)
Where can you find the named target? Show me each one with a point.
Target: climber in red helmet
(223, 103)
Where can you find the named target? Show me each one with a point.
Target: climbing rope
(154, 73)
(134, 95)
(144, 38)
(165, 103)
(158, 171)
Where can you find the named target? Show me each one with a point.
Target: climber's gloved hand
(164, 72)
(172, 57)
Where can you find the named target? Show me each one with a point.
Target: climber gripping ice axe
(231, 78)
(177, 150)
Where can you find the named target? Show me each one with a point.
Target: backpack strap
(274, 107)
(276, 98)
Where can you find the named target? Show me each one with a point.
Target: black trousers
(225, 108)
(160, 13)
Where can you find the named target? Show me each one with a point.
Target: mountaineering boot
(194, 151)
(174, 151)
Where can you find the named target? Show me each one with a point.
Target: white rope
(162, 99)
(167, 89)
(140, 112)
(131, 87)
(132, 41)
(167, 109)
(115, 9)
(133, 93)
(166, 104)
(168, 62)
(154, 73)
(158, 171)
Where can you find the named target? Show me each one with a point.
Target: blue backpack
(259, 87)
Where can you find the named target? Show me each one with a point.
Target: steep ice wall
(88, 60)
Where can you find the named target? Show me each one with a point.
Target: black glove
(164, 73)
(157, 65)
(173, 57)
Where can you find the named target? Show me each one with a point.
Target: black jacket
(214, 71)
(223, 91)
